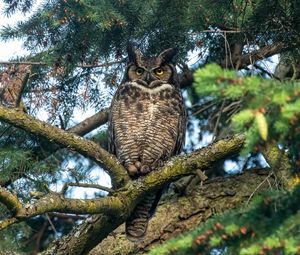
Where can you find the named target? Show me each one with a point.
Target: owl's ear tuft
(168, 55)
(134, 54)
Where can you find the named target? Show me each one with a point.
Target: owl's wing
(181, 130)
(111, 131)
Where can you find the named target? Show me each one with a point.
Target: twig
(229, 107)
(218, 119)
(266, 72)
(201, 175)
(221, 31)
(258, 186)
(205, 107)
(67, 216)
(38, 236)
(51, 223)
(84, 185)
(21, 63)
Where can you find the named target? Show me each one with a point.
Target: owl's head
(149, 70)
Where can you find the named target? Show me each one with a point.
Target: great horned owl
(147, 124)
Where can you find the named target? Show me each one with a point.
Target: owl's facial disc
(148, 74)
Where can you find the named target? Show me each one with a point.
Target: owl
(147, 124)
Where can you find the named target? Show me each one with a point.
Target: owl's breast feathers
(147, 125)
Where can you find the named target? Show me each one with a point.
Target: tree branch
(80, 129)
(123, 201)
(91, 123)
(9, 200)
(279, 163)
(183, 213)
(242, 61)
(84, 185)
(94, 230)
(71, 141)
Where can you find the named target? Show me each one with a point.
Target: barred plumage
(147, 124)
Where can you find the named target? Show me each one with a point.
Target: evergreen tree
(76, 60)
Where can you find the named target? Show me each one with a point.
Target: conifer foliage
(76, 58)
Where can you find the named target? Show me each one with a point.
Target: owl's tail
(137, 223)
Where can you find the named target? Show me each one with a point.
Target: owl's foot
(135, 169)
(145, 169)
(132, 170)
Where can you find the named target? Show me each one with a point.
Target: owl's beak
(149, 78)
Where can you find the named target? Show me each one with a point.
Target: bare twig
(84, 185)
(51, 223)
(266, 71)
(258, 186)
(201, 175)
(67, 216)
(218, 120)
(203, 108)
(22, 63)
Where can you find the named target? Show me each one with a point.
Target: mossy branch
(10, 200)
(123, 201)
(94, 230)
(69, 140)
(48, 149)
(279, 162)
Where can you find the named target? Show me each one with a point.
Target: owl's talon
(145, 169)
(132, 170)
(138, 165)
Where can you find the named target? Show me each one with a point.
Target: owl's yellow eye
(139, 71)
(159, 71)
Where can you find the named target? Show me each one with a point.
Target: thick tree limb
(93, 231)
(177, 214)
(123, 201)
(279, 163)
(66, 139)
